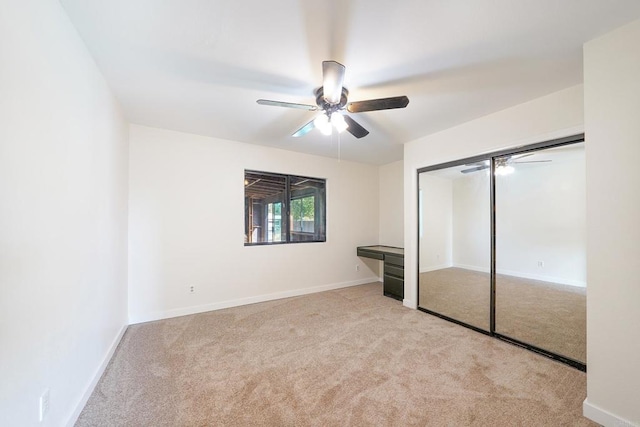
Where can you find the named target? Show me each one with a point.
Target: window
(274, 222)
(283, 208)
(302, 214)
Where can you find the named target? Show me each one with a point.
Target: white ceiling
(198, 66)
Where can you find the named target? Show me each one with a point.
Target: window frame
(319, 235)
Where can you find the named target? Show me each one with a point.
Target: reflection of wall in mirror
(472, 221)
(541, 219)
(436, 216)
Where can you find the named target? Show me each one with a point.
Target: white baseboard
(559, 280)
(185, 311)
(435, 267)
(473, 268)
(96, 377)
(603, 417)
(542, 278)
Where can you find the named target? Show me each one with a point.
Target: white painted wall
(472, 222)
(553, 116)
(391, 206)
(186, 222)
(437, 223)
(612, 114)
(63, 216)
(541, 216)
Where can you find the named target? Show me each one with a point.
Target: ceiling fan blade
(332, 79)
(287, 104)
(481, 163)
(520, 156)
(304, 129)
(534, 161)
(378, 104)
(354, 128)
(477, 168)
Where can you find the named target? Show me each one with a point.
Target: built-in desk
(393, 283)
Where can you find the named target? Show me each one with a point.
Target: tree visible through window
(302, 214)
(283, 208)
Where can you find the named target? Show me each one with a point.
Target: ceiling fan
(503, 164)
(331, 100)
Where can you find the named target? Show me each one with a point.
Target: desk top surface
(383, 249)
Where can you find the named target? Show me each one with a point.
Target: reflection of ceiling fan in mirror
(503, 164)
(331, 100)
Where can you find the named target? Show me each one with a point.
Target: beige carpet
(547, 315)
(457, 293)
(349, 357)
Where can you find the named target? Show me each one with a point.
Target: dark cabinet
(393, 277)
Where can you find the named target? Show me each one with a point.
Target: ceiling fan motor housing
(327, 107)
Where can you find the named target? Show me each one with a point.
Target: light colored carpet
(349, 357)
(544, 314)
(457, 293)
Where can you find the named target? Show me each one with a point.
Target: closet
(502, 246)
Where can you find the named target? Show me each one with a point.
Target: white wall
(63, 216)
(472, 222)
(437, 223)
(553, 116)
(541, 217)
(186, 222)
(391, 206)
(612, 114)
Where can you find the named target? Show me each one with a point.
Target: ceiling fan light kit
(323, 124)
(504, 170)
(337, 120)
(332, 99)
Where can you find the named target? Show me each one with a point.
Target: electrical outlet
(357, 267)
(44, 405)
(540, 264)
(192, 289)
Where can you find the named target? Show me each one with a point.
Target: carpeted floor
(349, 357)
(544, 314)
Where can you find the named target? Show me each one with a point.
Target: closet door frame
(460, 162)
(491, 157)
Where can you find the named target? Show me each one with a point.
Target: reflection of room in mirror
(455, 240)
(541, 251)
(548, 315)
(540, 247)
(457, 293)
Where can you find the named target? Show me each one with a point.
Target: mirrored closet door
(540, 282)
(501, 246)
(455, 242)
